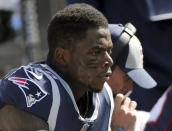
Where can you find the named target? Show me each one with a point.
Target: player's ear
(62, 56)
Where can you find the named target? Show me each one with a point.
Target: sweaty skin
(88, 65)
(14, 119)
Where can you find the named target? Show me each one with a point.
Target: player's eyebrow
(102, 47)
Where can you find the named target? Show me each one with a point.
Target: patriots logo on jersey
(32, 91)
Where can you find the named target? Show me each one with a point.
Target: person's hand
(124, 114)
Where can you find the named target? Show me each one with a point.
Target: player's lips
(105, 76)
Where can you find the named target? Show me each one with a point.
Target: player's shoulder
(21, 76)
(26, 83)
(29, 88)
(23, 71)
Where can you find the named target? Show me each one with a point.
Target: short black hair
(71, 24)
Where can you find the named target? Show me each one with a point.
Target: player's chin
(97, 87)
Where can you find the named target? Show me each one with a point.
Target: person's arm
(124, 114)
(14, 119)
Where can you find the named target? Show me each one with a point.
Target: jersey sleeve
(161, 114)
(28, 91)
(7, 92)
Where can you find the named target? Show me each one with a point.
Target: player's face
(91, 61)
(120, 82)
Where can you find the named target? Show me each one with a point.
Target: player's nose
(108, 61)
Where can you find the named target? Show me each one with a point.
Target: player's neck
(78, 90)
(85, 103)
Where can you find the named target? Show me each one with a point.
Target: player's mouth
(105, 76)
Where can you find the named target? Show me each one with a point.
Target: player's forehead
(97, 33)
(98, 38)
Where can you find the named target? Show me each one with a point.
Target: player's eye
(96, 52)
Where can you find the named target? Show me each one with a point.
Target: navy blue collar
(55, 69)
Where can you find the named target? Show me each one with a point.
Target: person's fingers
(125, 106)
(118, 101)
(126, 102)
(132, 105)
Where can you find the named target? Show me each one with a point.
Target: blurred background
(23, 25)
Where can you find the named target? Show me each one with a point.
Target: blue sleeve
(161, 114)
(27, 93)
(7, 91)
